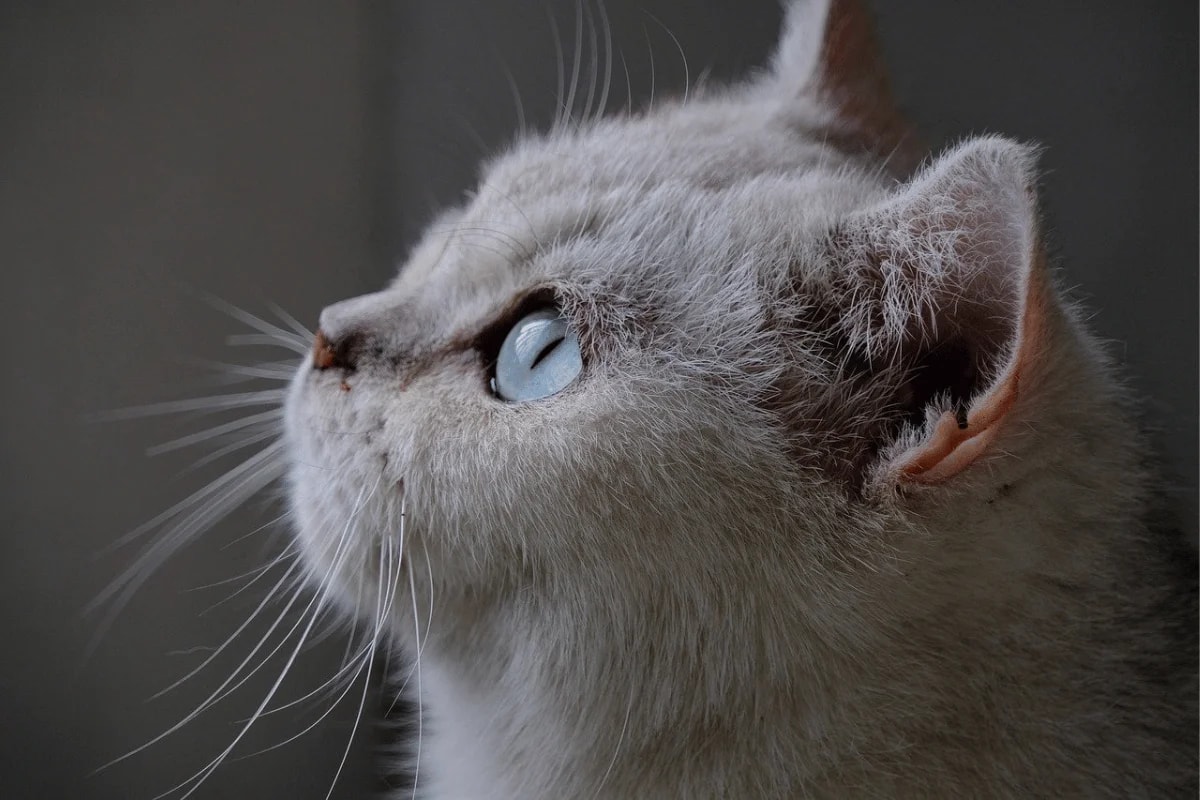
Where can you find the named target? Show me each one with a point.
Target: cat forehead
(634, 201)
(711, 145)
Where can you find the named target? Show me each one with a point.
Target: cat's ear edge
(829, 51)
(1005, 173)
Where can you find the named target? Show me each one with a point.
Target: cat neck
(594, 687)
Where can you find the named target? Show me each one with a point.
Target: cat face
(770, 326)
(657, 239)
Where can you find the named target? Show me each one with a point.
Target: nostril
(322, 353)
(341, 353)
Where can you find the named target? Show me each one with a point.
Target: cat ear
(989, 184)
(828, 53)
(950, 282)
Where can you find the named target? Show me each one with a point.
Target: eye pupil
(546, 351)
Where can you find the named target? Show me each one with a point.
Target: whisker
(207, 703)
(522, 127)
(318, 607)
(266, 370)
(200, 776)
(687, 83)
(216, 430)
(577, 58)
(358, 668)
(216, 695)
(237, 632)
(420, 700)
(291, 322)
(253, 576)
(602, 106)
(355, 663)
(121, 590)
(219, 402)
(650, 54)
(561, 69)
(382, 608)
(594, 65)
(258, 461)
(268, 340)
(258, 323)
(421, 644)
(268, 431)
(292, 546)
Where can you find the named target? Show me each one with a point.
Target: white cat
(720, 451)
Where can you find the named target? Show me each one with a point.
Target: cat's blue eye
(540, 357)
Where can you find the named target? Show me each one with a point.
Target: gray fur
(700, 571)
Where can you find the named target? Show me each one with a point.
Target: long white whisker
(420, 701)
(292, 545)
(200, 776)
(282, 371)
(522, 127)
(383, 606)
(358, 668)
(594, 65)
(291, 321)
(318, 606)
(118, 593)
(216, 694)
(237, 632)
(258, 323)
(216, 430)
(219, 402)
(253, 574)
(353, 663)
(421, 644)
(269, 340)
(561, 67)
(257, 461)
(650, 54)
(271, 430)
(577, 59)
(687, 80)
(602, 106)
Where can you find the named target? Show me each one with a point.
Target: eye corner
(490, 338)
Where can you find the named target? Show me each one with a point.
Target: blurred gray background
(288, 152)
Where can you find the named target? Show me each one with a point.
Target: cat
(731, 449)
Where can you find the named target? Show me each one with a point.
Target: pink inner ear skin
(950, 449)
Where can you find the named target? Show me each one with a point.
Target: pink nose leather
(328, 354)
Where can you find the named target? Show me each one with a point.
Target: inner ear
(956, 439)
(950, 372)
(931, 313)
(963, 352)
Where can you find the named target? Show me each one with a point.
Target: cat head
(763, 353)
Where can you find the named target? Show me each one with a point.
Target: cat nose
(349, 331)
(341, 353)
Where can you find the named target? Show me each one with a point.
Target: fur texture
(718, 564)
